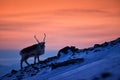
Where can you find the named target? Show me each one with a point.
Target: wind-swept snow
(106, 62)
(90, 71)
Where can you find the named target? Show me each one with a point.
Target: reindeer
(33, 51)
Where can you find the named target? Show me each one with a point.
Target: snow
(65, 57)
(91, 70)
(105, 61)
(100, 63)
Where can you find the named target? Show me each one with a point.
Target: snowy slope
(110, 66)
(100, 62)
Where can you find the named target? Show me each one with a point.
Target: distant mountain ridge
(67, 56)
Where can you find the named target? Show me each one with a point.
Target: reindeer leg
(21, 63)
(38, 59)
(27, 62)
(34, 59)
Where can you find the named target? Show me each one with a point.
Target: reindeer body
(32, 51)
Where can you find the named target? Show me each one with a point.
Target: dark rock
(65, 63)
(14, 71)
(105, 75)
(91, 49)
(112, 43)
(96, 50)
(119, 78)
(95, 78)
(97, 45)
(65, 50)
(33, 74)
(85, 50)
(74, 49)
(104, 44)
(50, 59)
(19, 77)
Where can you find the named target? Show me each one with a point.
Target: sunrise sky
(81, 23)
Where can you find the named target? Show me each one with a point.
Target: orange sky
(66, 22)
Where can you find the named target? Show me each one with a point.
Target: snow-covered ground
(100, 62)
(109, 65)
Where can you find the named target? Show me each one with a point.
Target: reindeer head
(41, 44)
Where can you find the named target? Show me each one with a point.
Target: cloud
(92, 31)
(55, 12)
(86, 12)
(78, 11)
(62, 12)
(27, 14)
(12, 26)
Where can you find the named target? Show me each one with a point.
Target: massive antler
(44, 37)
(36, 39)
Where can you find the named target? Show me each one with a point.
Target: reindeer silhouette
(33, 51)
